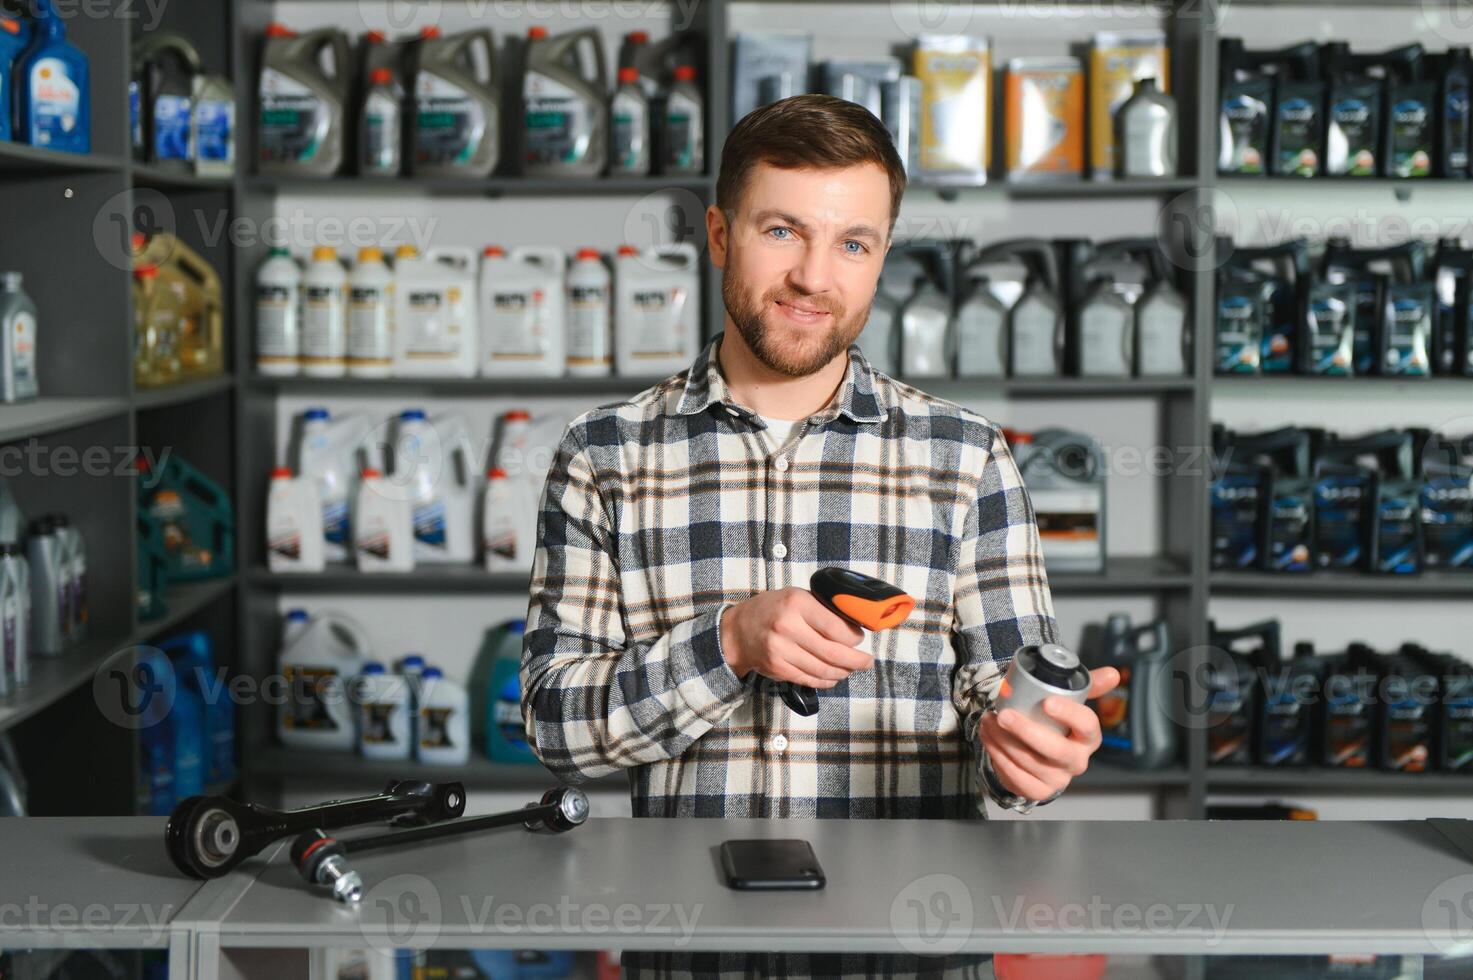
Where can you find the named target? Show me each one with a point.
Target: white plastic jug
(435, 462)
(294, 538)
(320, 667)
(325, 316)
(657, 309)
(590, 316)
(330, 454)
(444, 723)
(383, 526)
(384, 712)
(523, 323)
(435, 330)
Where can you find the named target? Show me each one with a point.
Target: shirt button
(779, 742)
(779, 550)
(781, 464)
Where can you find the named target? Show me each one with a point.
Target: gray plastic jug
(455, 129)
(564, 99)
(49, 590)
(303, 103)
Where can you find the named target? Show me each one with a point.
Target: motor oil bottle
(1239, 500)
(456, 128)
(590, 317)
(1163, 345)
(154, 789)
(370, 316)
(156, 360)
(925, 326)
(505, 542)
(381, 127)
(320, 663)
(165, 69)
(294, 535)
(683, 128)
(435, 328)
(74, 554)
(657, 309)
(1065, 476)
(522, 300)
(304, 88)
(1137, 729)
(1291, 531)
(629, 126)
(1285, 269)
(278, 315)
(1105, 324)
(330, 453)
(1456, 118)
(15, 601)
(1238, 661)
(981, 332)
(1373, 271)
(19, 329)
(1345, 497)
(435, 464)
(1411, 113)
(325, 316)
(1452, 733)
(201, 345)
(1326, 345)
(506, 736)
(49, 589)
(564, 94)
(1409, 330)
(1447, 501)
(1117, 61)
(15, 37)
(1245, 100)
(1036, 320)
(193, 656)
(1408, 715)
(1284, 732)
(187, 713)
(443, 727)
(1044, 113)
(1353, 122)
(880, 338)
(1399, 547)
(53, 87)
(1297, 137)
(1348, 709)
(384, 714)
(1241, 318)
(383, 526)
(1146, 133)
(212, 126)
(12, 519)
(1451, 265)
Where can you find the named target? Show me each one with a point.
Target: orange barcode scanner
(866, 602)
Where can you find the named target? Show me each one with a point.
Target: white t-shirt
(780, 428)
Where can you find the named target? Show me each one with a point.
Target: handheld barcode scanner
(866, 602)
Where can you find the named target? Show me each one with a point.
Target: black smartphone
(772, 863)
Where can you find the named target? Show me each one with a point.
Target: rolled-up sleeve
(1001, 599)
(593, 702)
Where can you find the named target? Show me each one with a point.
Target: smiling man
(678, 531)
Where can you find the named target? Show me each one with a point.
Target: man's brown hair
(803, 132)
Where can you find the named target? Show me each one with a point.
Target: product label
(434, 728)
(1289, 523)
(277, 335)
(1285, 740)
(1070, 524)
(294, 121)
(1236, 500)
(1457, 722)
(518, 329)
(557, 122)
(1397, 530)
(1410, 335)
(1034, 328)
(1104, 340)
(214, 129)
(653, 322)
(1368, 325)
(432, 329)
(450, 123)
(378, 722)
(1239, 334)
(588, 325)
(285, 539)
(1447, 521)
(1408, 731)
(1349, 710)
(324, 328)
(1162, 330)
(1298, 127)
(335, 522)
(1230, 715)
(369, 341)
(1331, 338)
(1113, 710)
(1411, 138)
(56, 102)
(628, 134)
(1455, 129)
(1341, 520)
(956, 99)
(1352, 139)
(1244, 134)
(171, 115)
(429, 523)
(23, 354)
(312, 689)
(682, 146)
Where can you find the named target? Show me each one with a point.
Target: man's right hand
(788, 635)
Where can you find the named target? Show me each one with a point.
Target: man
(679, 528)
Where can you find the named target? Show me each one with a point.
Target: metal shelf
(183, 601)
(53, 678)
(452, 387)
(1125, 574)
(424, 580)
(479, 773)
(1428, 585)
(1137, 187)
(47, 414)
(21, 159)
(481, 186)
(163, 178)
(167, 396)
(1104, 776)
(1312, 780)
(1321, 384)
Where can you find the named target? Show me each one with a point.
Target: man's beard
(777, 346)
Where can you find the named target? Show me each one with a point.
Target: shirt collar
(705, 386)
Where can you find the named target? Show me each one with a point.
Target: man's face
(801, 259)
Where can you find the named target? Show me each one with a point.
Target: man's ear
(718, 235)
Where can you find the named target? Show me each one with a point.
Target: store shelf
(163, 178)
(480, 773)
(1249, 383)
(453, 387)
(1429, 585)
(1104, 776)
(183, 393)
(182, 602)
(424, 580)
(1140, 187)
(45, 415)
(481, 186)
(53, 678)
(20, 159)
(1312, 780)
(1325, 185)
(953, 388)
(1125, 574)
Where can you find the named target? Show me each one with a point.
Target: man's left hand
(1035, 761)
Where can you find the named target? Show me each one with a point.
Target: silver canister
(900, 109)
(1037, 672)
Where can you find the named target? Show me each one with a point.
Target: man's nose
(813, 272)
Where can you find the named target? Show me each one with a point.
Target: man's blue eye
(774, 231)
(853, 242)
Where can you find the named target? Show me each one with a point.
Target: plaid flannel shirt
(661, 511)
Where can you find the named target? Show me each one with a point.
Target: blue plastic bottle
(505, 737)
(52, 88)
(15, 37)
(154, 679)
(193, 656)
